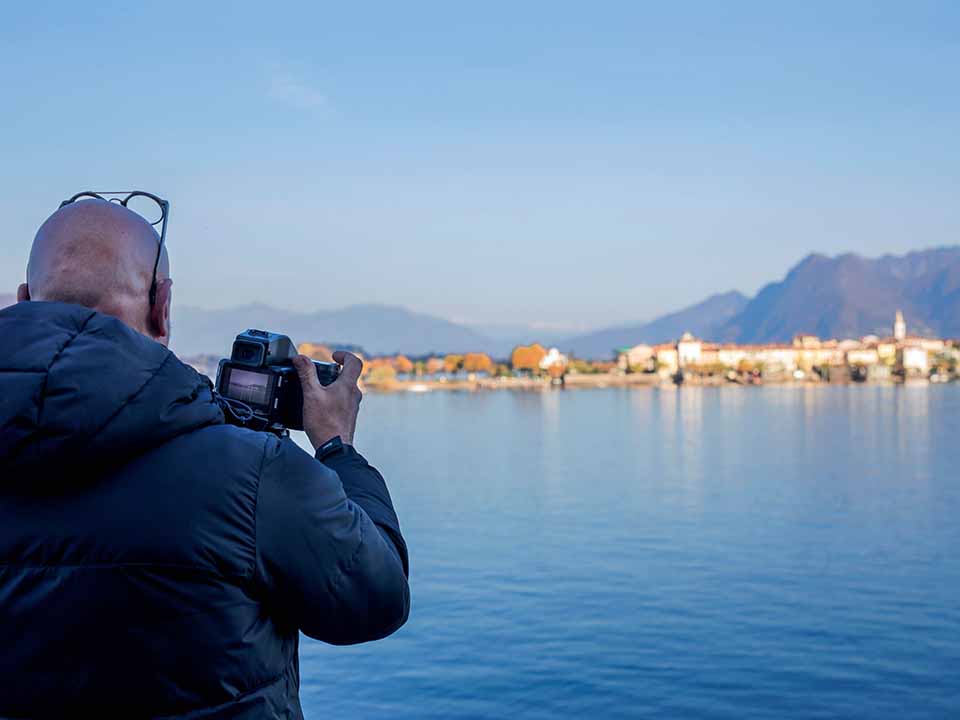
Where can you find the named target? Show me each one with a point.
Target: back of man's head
(101, 255)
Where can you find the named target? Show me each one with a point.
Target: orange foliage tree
(452, 363)
(527, 357)
(402, 364)
(477, 362)
(376, 364)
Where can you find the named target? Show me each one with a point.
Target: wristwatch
(332, 446)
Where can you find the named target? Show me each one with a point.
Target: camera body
(260, 377)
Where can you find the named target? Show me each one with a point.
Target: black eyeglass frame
(127, 197)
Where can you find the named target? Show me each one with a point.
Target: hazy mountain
(7, 300)
(703, 319)
(852, 296)
(502, 339)
(378, 329)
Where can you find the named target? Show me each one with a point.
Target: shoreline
(593, 382)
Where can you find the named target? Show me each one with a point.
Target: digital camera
(259, 385)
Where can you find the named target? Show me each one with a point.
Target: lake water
(693, 553)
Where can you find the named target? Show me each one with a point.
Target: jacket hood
(80, 390)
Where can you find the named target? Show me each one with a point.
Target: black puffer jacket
(155, 561)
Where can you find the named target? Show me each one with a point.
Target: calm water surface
(693, 553)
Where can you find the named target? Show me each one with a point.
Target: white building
(689, 350)
(636, 357)
(781, 357)
(863, 356)
(914, 360)
(666, 359)
(552, 358)
(932, 345)
(731, 355)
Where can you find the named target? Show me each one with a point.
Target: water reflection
(703, 553)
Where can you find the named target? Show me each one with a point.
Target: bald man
(155, 561)
(101, 255)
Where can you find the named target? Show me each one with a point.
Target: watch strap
(331, 447)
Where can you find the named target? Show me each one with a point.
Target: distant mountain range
(847, 296)
(378, 329)
(7, 300)
(705, 319)
(843, 296)
(850, 296)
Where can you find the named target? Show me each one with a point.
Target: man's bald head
(101, 255)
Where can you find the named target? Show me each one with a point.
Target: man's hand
(332, 410)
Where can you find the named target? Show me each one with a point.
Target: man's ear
(160, 312)
(23, 293)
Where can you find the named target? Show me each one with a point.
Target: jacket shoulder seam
(46, 373)
(132, 397)
(256, 506)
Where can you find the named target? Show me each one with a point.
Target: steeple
(899, 327)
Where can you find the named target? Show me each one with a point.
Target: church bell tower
(899, 327)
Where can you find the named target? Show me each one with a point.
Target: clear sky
(575, 164)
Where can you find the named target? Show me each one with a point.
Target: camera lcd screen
(250, 387)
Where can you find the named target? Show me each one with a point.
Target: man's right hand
(332, 410)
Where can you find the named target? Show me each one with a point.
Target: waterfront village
(899, 357)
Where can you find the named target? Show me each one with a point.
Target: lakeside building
(690, 351)
(667, 358)
(638, 356)
(553, 358)
(869, 358)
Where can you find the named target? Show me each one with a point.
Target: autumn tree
(477, 362)
(375, 364)
(527, 357)
(452, 363)
(433, 365)
(402, 364)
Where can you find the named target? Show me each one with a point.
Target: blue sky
(572, 164)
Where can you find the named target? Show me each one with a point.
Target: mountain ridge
(378, 329)
(703, 319)
(849, 296)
